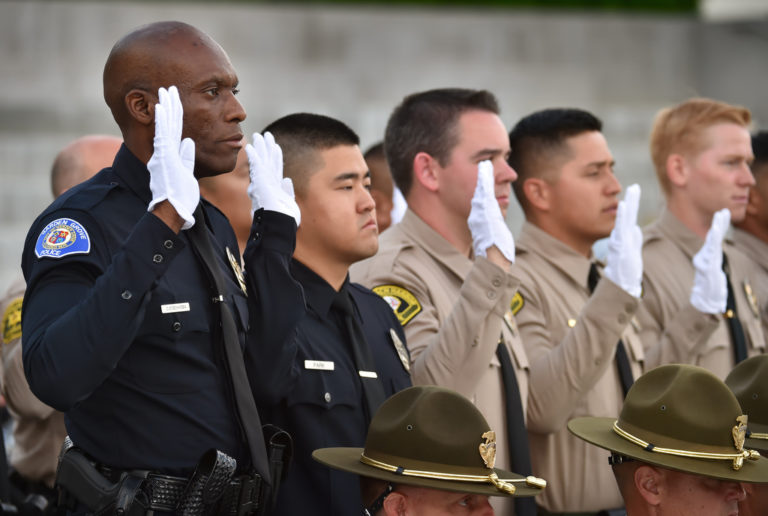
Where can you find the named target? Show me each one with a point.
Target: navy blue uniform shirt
(310, 386)
(119, 328)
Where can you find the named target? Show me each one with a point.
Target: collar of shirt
(534, 240)
(132, 173)
(750, 245)
(672, 228)
(318, 292)
(434, 244)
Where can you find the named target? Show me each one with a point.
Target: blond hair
(678, 129)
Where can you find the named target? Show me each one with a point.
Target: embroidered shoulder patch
(62, 237)
(517, 303)
(403, 303)
(11, 324)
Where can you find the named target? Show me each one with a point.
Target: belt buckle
(250, 490)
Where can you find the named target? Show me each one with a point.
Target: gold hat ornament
(432, 437)
(680, 417)
(749, 383)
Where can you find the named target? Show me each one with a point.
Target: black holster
(279, 452)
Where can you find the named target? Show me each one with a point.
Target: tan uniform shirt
(570, 338)
(673, 331)
(453, 310)
(757, 252)
(39, 430)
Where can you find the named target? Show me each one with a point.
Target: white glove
(398, 206)
(624, 262)
(710, 289)
(172, 165)
(268, 188)
(486, 223)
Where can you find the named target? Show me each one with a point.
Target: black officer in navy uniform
(348, 352)
(121, 329)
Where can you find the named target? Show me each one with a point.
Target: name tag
(319, 365)
(174, 308)
(368, 374)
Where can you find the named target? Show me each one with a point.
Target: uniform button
(168, 244)
(126, 294)
(697, 326)
(496, 282)
(176, 326)
(491, 294)
(258, 218)
(628, 308)
(476, 341)
(327, 397)
(257, 235)
(157, 258)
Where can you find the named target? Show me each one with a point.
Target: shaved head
(147, 59)
(81, 159)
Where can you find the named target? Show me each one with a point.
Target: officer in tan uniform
(39, 429)
(679, 446)
(750, 236)
(582, 348)
(445, 267)
(701, 150)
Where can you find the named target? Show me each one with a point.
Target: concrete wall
(356, 64)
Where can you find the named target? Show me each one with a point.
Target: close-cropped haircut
(428, 122)
(301, 136)
(760, 150)
(542, 135)
(678, 130)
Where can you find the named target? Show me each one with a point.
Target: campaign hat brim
(348, 459)
(599, 431)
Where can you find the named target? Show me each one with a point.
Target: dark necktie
(517, 436)
(734, 323)
(373, 389)
(248, 415)
(622, 359)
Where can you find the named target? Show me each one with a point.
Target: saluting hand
(624, 262)
(486, 223)
(172, 165)
(710, 288)
(268, 188)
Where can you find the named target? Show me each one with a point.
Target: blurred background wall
(356, 62)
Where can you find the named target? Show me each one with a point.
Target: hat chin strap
(737, 458)
(505, 485)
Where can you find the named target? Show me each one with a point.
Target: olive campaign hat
(680, 417)
(749, 382)
(432, 437)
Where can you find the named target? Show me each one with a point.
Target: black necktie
(517, 436)
(622, 359)
(250, 423)
(734, 323)
(373, 389)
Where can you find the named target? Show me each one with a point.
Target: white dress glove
(710, 289)
(398, 206)
(486, 223)
(172, 165)
(624, 261)
(268, 188)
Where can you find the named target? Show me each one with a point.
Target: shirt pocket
(325, 390)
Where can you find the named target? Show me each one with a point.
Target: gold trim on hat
(505, 485)
(755, 435)
(737, 458)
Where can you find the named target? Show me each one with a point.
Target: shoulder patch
(517, 303)
(11, 323)
(62, 237)
(403, 303)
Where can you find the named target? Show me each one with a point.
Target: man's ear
(425, 171)
(141, 106)
(394, 504)
(753, 202)
(677, 170)
(649, 484)
(537, 193)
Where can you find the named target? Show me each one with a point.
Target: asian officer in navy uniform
(348, 350)
(121, 329)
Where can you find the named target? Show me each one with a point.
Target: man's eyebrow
(487, 152)
(351, 175)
